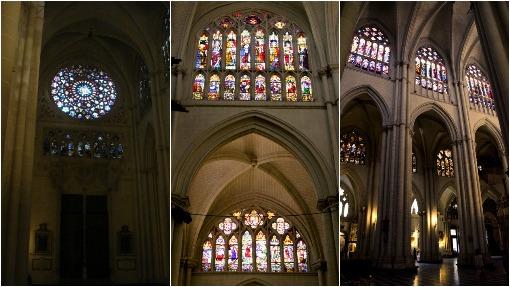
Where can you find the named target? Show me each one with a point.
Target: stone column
(429, 249)
(19, 136)
(333, 204)
(328, 241)
(491, 20)
(319, 267)
(180, 216)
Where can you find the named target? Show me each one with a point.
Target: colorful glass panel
(244, 88)
(83, 92)
(203, 47)
(230, 54)
(260, 51)
(276, 88)
(233, 254)
(479, 88)
(288, 254)
(254, 219)
(216, 50)
(430, 70)
(245, 63)
(302, 256)
(229, 88)
(352, 148)
(288, 52)
(290, 84)
(370, 50)
(247, 262)
(444, 163)
(260, 88)
(227, 226)
(214, 88)
(206, 256)
(280, 225)
(302, 53)
(261, 252)
(198, 87)
(274, 52)
(220, 254)
(306, 89)
(276, 258)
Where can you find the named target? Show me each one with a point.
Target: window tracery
(444, 163)
(353, 148)
(479, 88)
(252, 49)
(430, 70)
(370, 50)
(268, 243)
(344, 203)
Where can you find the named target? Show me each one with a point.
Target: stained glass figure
(216, 50)
(280, 225)
(229, 88)
(290, 84)
(370, 50)
(306, 89)
(203, 47)
(260, 54)
(261, 252)
(303, 52)
(198, 87)
(233, 254)
(288, 52)
(247, 263)
(352, 148)
(274, 52)
(444, 163)
(83, 92)
(230, 54)
(220, 254)
(254, 219)
(228, 225)
(206, 256)
(288, 254)
(276, 258)
(479, 88)
(276, 88)
(214, 88)
(245, 50)
(302, 256)
(260, 88)
(430, 67)
(244, 88)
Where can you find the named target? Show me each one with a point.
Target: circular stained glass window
(83, 92)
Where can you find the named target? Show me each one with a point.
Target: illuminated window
(444, 163)
(430, 70)
(370, 51)
(344, 203)
(251, 54)
(353, 148)
(268, 243)
(413, 158)
(414, 207)
(479, 88)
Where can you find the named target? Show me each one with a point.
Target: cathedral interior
(423, 142)
(85, 143)
(254, 143)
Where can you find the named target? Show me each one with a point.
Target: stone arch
(495, 134)
(253, 282)
(373, 94)
(358, 190)
(443, 115)
(268, 126)
(446, 194)
(426, 41)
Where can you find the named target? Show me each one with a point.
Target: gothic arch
(268, 126)
(254, 282)
(443, 115)
(446, 194)
(358, 189)
(428, 42)
(495, 134)
(373, 94)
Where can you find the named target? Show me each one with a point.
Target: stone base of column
(396, 263)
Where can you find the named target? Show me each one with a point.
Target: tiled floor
(446, 273)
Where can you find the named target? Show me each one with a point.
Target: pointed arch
(494, 132)
(373, 94)
(443, 115)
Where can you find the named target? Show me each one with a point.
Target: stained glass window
(353, 148)
(413, 159)
(206, 256)
(430, 70)
(479, 88)
(247, 250)
(288, 254)
(260, 88)
(344, 203)
(257, 241)
(68, 143)
(444, 163)
(165, 49)
(370, 51)
(451, 211)
(233, 254)
(252, 48)
(83, 92)
(414, 207)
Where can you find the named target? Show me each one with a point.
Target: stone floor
(446, 273)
